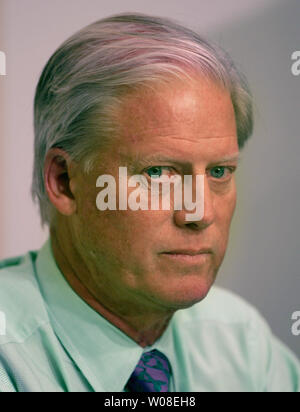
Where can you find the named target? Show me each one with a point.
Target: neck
(141, 322)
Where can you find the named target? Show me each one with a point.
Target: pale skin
(116, 261)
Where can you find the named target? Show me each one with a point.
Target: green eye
(218, 172)
(154, 171)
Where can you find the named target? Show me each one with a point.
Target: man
(120, 298)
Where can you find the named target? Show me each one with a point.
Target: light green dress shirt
(55, 342)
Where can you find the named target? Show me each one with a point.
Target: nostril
(193, 225)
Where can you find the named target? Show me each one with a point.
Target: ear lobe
(57, 181)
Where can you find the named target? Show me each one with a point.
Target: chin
(190, 293)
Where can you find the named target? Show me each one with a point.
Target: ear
(57, 177)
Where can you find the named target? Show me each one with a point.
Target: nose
(208, 216)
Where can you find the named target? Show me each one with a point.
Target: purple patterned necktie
(152, 374)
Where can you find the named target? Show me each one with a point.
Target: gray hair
(85, 79)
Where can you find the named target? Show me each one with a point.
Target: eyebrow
(235, 157)
(230, 158)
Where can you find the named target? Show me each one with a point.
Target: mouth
(188, 256)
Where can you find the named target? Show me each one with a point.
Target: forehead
(178, 117)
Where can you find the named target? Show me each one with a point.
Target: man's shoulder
(235, 337)
(14, 261)
(15, 274)
(224, 307)
(21, 303)
(227, 321)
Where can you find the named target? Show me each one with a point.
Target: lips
(188, 256)
(189, 252)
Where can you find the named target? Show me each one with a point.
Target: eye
(156, 172)
(222, 172)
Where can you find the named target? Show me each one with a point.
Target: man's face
(151, 256)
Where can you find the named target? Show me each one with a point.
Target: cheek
(123, 231)
(225, 207)
(141, 228)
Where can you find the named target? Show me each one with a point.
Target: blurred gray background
(262, 261)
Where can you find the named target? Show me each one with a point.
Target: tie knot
(152, 373)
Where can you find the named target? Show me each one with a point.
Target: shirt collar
(105, 355)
